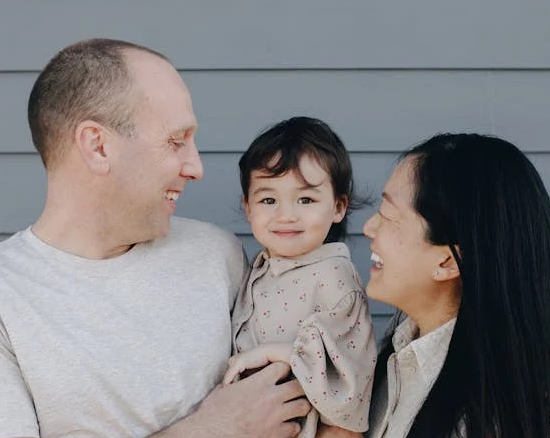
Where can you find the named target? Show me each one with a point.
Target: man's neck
(76, 235)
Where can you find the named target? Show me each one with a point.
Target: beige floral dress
(316, 302)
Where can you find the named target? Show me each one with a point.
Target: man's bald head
(89, 80)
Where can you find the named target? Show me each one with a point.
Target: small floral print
(285, 307)
(266, 313)
(280, 330)
(309, 379)
(350, 345)
(341, 284)
(302, 297)
(264, 294)
(317, 308)
(280, 290)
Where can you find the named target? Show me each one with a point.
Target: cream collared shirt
(412, 370)
(316, 302)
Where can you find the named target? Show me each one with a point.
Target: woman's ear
(246, 207)
(447, 268)
(340, 208)
(90, 138)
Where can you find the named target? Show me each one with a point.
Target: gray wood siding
(384, 75)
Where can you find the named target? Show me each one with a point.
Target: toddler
(303, 302)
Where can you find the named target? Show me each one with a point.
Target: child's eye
(305, 200)
(267, 201)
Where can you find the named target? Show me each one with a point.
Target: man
(114, 316)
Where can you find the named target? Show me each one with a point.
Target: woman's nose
(370, 225)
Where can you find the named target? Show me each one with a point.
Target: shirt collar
(430, 350)
(280, 265)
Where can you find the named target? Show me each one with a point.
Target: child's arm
(257, 357)
(335, 432)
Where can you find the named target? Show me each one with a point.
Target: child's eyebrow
(263, 189)
(310, 187)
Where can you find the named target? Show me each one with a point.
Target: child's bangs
(284, 159)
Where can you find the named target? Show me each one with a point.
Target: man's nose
(191, 166)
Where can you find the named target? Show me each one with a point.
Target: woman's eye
(268, 201)
(382, 216)
(305, 200)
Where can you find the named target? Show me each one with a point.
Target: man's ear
(447, 268)
(90, 138)
(340, 209)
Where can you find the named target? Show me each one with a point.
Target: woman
(461, 246)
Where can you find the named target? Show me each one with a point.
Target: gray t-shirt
(121, 347)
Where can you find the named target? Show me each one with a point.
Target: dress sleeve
(334, 356)
(17, 415)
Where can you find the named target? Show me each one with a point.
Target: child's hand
(256, 358)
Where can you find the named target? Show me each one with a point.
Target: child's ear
(246, 207)
(340, 209)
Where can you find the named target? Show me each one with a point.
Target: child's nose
(286, 213)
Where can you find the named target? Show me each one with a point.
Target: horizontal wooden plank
(209, 34)
(371, 110)
(216, 198)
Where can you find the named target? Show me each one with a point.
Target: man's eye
(177, 144)
(268, 201)
(305, 200)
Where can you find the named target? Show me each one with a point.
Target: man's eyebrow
(182, 130)
(388, 198)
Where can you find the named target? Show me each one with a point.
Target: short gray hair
(88, 80)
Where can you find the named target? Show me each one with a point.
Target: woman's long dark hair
(482, 194)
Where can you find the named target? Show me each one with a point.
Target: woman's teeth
(378, 262)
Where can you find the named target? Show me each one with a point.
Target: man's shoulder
(182, 227)
(10, 246)
(202, 236)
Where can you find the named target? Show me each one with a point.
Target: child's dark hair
(289, 140)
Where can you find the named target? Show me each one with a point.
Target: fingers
(295, 408)
(273, 372)
(290, 390)
(230, 375)
(290, 429)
